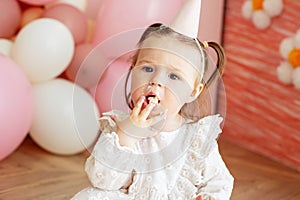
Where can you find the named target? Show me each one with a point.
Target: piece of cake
(153, 99)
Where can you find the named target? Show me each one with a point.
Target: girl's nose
(157, 79)
(155, 84)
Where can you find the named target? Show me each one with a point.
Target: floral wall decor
(289, 70)
(262, 113)
(260, 12)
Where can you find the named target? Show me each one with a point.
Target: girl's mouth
(152, 98)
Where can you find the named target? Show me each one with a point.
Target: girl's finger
(138, 107)
(146, 111)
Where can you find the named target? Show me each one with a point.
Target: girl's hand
(138, 124)
(141, 117)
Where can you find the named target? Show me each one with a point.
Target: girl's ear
(195, 93)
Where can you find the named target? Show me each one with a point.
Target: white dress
(181, 164)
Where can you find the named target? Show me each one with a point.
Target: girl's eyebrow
(145, 62)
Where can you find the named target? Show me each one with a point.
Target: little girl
(163, 149)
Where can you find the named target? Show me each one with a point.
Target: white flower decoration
(261, 11)
(289, 70)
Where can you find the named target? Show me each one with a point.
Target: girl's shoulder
(205, 133)
(208, 126)
(107, 120)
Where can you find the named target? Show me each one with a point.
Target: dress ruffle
(191, 178)
(188, 172)
(107, 124)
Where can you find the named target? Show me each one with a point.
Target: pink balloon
(81, 51)
(95, 61)
(37, 2)
(72, 17)
(16, 106)
(30, 14)
(116, 16)
(110, 93)
(10, 16)
(92, 8)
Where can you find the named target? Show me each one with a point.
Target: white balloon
(65, 119)
(5, 46)
(43, 48)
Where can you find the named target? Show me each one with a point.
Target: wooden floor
(31, 173)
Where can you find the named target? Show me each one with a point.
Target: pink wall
(211, 29)
(211, 20)
(263, 114)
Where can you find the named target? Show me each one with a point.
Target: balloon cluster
(43, 44)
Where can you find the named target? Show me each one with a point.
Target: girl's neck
(173, 123)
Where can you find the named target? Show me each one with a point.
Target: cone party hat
(187, 19)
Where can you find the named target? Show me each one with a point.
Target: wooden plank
(32, 173)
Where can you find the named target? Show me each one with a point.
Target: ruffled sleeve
(109, 166)
(208, 171)
(217, 180)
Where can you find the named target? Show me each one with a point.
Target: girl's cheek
(136, 95)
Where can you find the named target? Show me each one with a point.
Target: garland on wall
(260, 12)
(289, 70)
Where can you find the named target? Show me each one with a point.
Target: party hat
(187, 19)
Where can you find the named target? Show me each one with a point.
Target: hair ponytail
(201, 106)
(220, 62)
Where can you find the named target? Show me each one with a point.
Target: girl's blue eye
(148, 69)
(174, 76)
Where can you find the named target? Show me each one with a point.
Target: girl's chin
(157, 110)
